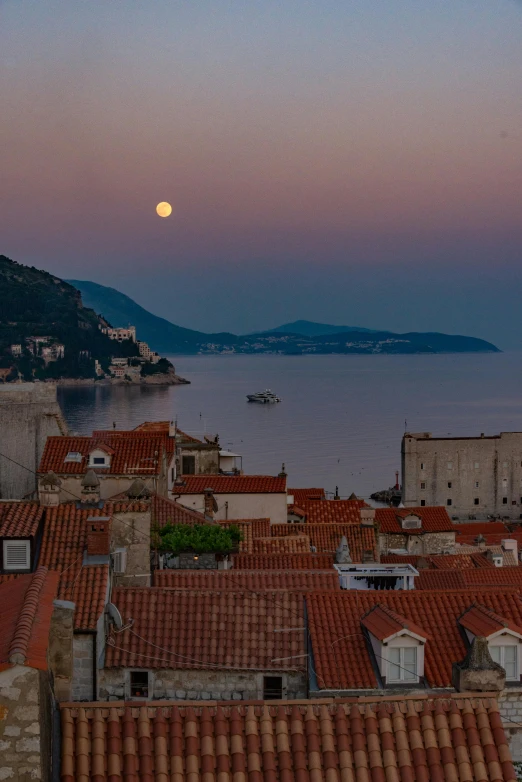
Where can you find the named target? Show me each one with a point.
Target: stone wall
(29, 414)
(24, 752)
(494, 463)
(132, 531)
(60, 652)
(110, 485)
(427, 543)
(83, 671)
(510, 705)
(199, 685)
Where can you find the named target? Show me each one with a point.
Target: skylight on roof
(73, 456)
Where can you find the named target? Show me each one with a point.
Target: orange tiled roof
(494, 576)
(331, 511)
(440, 579)
(290, 544)
(26, 607)
(382, 622)
(207, 629)
(166, 511)
(492, 539)
(326, 537)
(139, 454)
(475, 528)
(230, 484)
(348, 666)
(441, 561)
(164, 427)
(63, 544)
(248, 580)
(438, 739)
(433, 519)
(283, 562)
(300, 495)
(482, 621)
(19, 519)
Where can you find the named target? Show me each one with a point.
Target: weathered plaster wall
(29, 414)
(61, 648)
(132, 531)
(199, 685)
(24, 748)
(240, 506)
(110, 485)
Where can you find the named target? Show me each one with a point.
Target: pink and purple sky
(349, 162)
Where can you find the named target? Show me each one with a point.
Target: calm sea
(341, 419)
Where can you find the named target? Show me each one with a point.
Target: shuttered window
(17, 555)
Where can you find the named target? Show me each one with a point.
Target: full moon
(164, 209)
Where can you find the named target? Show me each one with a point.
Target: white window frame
(98, 453)
(27, 544)
(502, 658)
(402, 666)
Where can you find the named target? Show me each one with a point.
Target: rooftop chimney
(211, 505)
(49, 490)
(367, 517)
(510, 545)
(98, 536)
(90, 488)
(282, 474)
(477, 672)
(336, 495)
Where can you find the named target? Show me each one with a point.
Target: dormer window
(402, 664)
(99, 458)
(507, 657)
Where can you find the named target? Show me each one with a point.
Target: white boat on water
(264, 397)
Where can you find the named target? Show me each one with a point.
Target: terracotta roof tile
(230, 484)
(433, 519)
(283, 562)
(300, 495)
(494, 576)
(482, 621)
(440, 740)
(139, 454)
(508, 557)
(207, 629)
(331, 511)
(251, 530)
(26, 607)
(63, 545)
(475, 528)
(440, 561)
(19, 519)
(440, 579)
(348, 666)
(289, 544)
(326, 537)
(166, 511)
(382, 622)
(248, 580)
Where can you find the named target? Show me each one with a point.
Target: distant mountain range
(307, 328)
(297, 338)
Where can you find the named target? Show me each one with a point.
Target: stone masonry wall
(428, 543)
(29, 413)
(21, 755)
(83, 654)
(510, 705)
(199, 685)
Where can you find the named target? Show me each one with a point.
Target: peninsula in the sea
(301, 337)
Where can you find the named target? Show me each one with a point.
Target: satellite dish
(115, 615)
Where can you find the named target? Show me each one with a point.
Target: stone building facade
(204, 685)
(29, 413)
(473, 477)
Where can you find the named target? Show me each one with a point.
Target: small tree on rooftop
(198, 538)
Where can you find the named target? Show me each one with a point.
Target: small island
(46, 334)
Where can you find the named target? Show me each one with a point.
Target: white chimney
(510, 545)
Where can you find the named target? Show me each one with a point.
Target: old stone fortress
(167, 616)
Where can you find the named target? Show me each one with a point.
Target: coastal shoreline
(152, 380)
